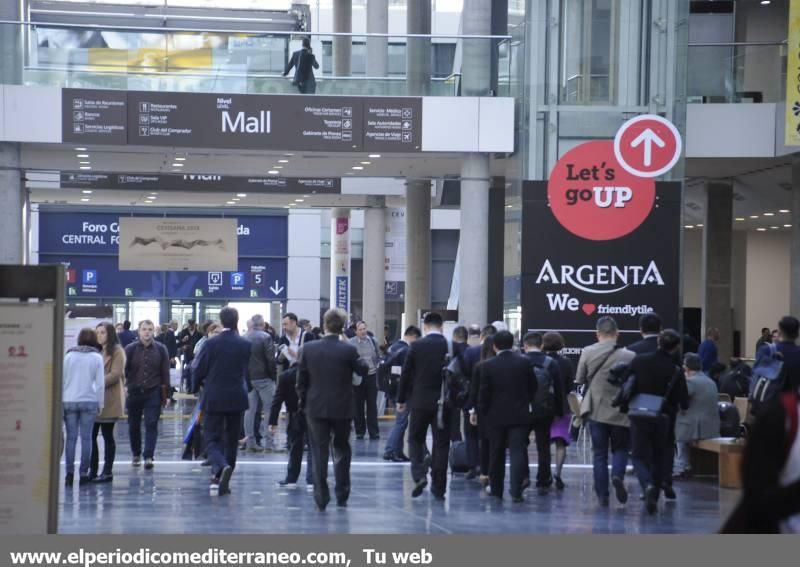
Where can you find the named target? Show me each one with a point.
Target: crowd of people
(480, 395)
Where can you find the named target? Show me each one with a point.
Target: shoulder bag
(649, 406)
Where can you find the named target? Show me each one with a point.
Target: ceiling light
(291, 204)
(273, 172)
(283, 161)
(769, 214)
(298, 200)
(177, 165)
(82, 155)
(151, 197)
(242, 195)
(784, 211)
(235, 199)
(180, 159)
(277, 167)
(740, 219)
(509, 206)
(86, 167)
(80, 149)
(85, 163)
(766, 2)
(87, 191)
(753, 216)
(153, 193)
(774, 227)
(286, 207)
(148, 201)
(375, 156)
(231, 202)
(366, 162)
(699, 226)
(689, 226)
(349, 173)
(288, 155)
(761, 229)
(85, 200)
(357, 167)
(787, 226)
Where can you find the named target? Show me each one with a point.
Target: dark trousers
(516, 439)
(472, 440)
(110, 448)
(455, 425)
(419, 422)
(145, 404)
(669, 458)
(320, 432)
(221, 431)
(297, 434)
(650, 450)
(366, 396)
(541, 429)
(484, 453)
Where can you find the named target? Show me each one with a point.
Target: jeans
(649, 440)
(366, 394)
(110, 448)
(265, 391)
(79, 420)
(395, 442)
(605, 436)
(682, 462)
(145, 404)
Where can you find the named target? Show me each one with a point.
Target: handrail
(739, 44)
(251, 32)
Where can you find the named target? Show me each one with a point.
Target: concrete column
(12, 201)
(342, 45)
(377, 47)
(794, 252)
(340, 259)
(473, 292)
(374, 303)
(476, 65)
(418, 49)
(10, 43)
(418, 249)
(717, 264)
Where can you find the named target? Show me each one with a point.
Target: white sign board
(178, 244)
(26, 414)
(395, 245)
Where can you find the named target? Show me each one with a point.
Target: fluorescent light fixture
(85, 200)
(85, 163)
(153, 193)
(273, 172)
(231, 202)
(87, 191)
(784, 211)
(740, 219)
(180, 159)
(699, 225)
(769, 214)
(80, 149)
(286, 207)
(766, 2)
(298, 200)
(277, 167)
(235, 199)
(366, 162)
(177, 165)
(288, 155)
(787, 226)
(689, 226)
(357, 168)
(753, 216)
(774, 227)
(283, 161)
(148, 201)
(241, 195)
(86, 167)
(761, 229)
(82, 155)
(375, 156)
(509, 206)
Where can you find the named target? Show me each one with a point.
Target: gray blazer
(596, 403)
(701, 420)
(262, 357)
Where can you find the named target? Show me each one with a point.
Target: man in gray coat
(608, 427)
(701, 420)
(262, 372)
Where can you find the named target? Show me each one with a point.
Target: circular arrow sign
(648, 146)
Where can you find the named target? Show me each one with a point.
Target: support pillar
(377, 47)
(374, 302)
(12, 206)
(473, 292)
(794, 251)
(717, 264)
(342, 45)
(340, 259)
(418, 49)
(418, 248)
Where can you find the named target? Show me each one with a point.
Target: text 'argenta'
(596, 279)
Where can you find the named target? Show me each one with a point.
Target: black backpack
(544, 404)
(458, 382)
(736, 382)
(729, 425)
(768, 378)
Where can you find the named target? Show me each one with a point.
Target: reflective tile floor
(174, 498)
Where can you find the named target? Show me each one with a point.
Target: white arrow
(277, 288)
(648, 138)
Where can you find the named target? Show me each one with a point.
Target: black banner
(243, 121)
(568, 282)
(203, 183)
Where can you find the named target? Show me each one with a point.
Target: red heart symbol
(589, 308)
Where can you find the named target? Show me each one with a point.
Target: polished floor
(174, 498)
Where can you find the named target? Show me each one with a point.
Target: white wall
(767, 283)
(304, 264)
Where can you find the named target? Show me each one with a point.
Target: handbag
(650, 406)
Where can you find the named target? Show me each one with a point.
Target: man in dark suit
(506, 395)
(650, 327)
(325, 395)
(394, 360)
(788, 331)
(222, 370)
(421, 388)
(656, 374)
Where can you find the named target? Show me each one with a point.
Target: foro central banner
(178, 244)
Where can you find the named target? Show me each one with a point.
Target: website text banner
(570, 281)
(188, 244)
(26, 411)
(202, 183)
(390, 551)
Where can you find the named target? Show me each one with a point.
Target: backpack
(458, 383)
(729, 425)
(545, 400)
(736, 382)
(458, 457)
(768, 378)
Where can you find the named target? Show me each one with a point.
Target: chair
(724, 398)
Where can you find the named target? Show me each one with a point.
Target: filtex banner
(184, 244)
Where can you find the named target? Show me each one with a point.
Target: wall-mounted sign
(209, 183)
(94, 116)
(179, 244)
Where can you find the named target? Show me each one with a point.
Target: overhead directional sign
(648, 146)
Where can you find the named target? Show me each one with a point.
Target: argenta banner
(178, 244)
(601, 237)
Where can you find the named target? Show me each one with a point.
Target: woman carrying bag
(113, 410)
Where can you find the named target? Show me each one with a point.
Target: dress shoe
(224, 481)
(69, 479)
(418, 488)
(438, 497)
(388, 456)
(651, 499)
(320, 506)
(341, 503)
(669, 492)
(517, 499)
(136, 462)
(559, 483)
(471, 474)
(148, 464)
(400, 458)
(619, 490)
(286, 484)
(84, 480)
(103, 478)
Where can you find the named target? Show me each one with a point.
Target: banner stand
(32, 297)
